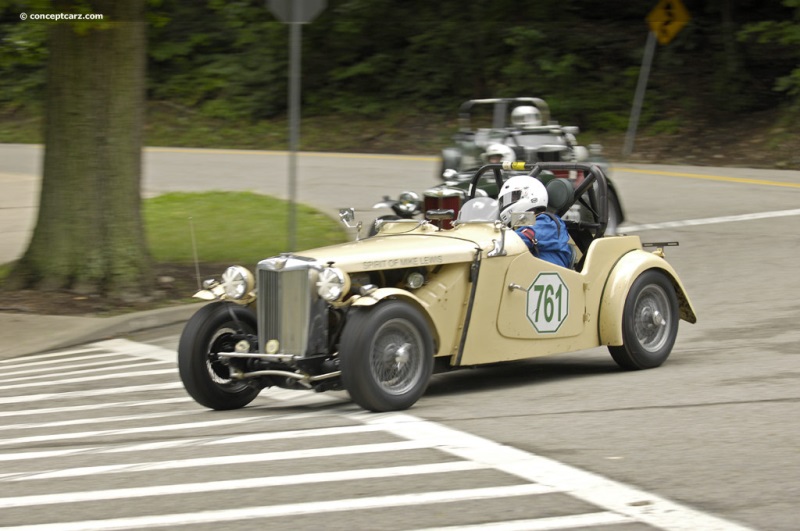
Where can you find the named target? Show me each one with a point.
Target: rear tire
(386, 354)
(649, 323)
(204, 376)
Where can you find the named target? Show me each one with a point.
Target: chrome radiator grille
(284, 304)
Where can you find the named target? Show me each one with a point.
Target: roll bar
(592, 174)
(500, 114)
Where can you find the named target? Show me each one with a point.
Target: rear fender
(618, 285)
(398, 294)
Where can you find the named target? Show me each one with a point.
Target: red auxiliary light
(443, 199)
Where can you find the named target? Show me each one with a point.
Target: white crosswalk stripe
(290, 455)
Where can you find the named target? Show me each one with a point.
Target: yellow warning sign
(667, 19)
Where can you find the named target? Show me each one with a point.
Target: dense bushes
(229, 59)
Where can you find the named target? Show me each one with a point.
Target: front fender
(451, 159)
(618, 284)
(394, 293)
(217, 293)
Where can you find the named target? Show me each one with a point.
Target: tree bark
(89, 236)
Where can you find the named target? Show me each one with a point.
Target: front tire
(649, 323)
(386, 355)
(205, 377)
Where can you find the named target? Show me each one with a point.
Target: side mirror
(347, 216)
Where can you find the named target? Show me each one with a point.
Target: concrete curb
(22, 334)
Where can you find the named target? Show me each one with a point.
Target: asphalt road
(714, 430)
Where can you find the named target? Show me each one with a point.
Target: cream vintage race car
(378, 316)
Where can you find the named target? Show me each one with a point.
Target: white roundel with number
(548, 302)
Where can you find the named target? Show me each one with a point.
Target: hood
(396, 251)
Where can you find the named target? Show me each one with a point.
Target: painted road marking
(90, 392)
(294, 509)
(425, 158)
(51, 368)
(617, 503)
(223, 460)
(237, 484)
(708, 221)
(592, 488)
(573, 521)
(722, 178)
(29, 361)
(108, 365)
(301, 154)
(98, 420)
(90, 407)
(257, 416)
(124, 431)
(115, 376)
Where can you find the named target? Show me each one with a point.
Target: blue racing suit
(548, 239)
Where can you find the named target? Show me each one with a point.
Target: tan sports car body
(378, 316)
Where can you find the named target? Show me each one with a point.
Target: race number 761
(548, 302)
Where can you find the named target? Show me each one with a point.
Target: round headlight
(415, 280)
(237, 282)
(333, 283)
(408, 203)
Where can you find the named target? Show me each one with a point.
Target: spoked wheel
(386, 356)
(649, 323)
(214, 329)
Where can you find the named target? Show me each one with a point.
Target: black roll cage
(594, 187)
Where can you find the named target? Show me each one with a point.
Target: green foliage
(781, 40)
(227, 60)
(669, 126)
(23, 50)
(224, 59)
(234, 227)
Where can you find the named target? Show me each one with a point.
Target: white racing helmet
(521, 194)
(526, 116)
(502, 150)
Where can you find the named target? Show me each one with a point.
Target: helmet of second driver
(497, 153)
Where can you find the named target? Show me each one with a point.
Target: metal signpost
(665, 21)
(295, 13)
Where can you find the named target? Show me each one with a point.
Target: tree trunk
(89, 236)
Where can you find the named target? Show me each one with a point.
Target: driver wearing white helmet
(526, 117)
(497, 153)
(548, 238)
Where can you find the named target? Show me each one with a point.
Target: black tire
(442, 168)
(205, 378)
(386, 354)
(614, 214)
(649, 323)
